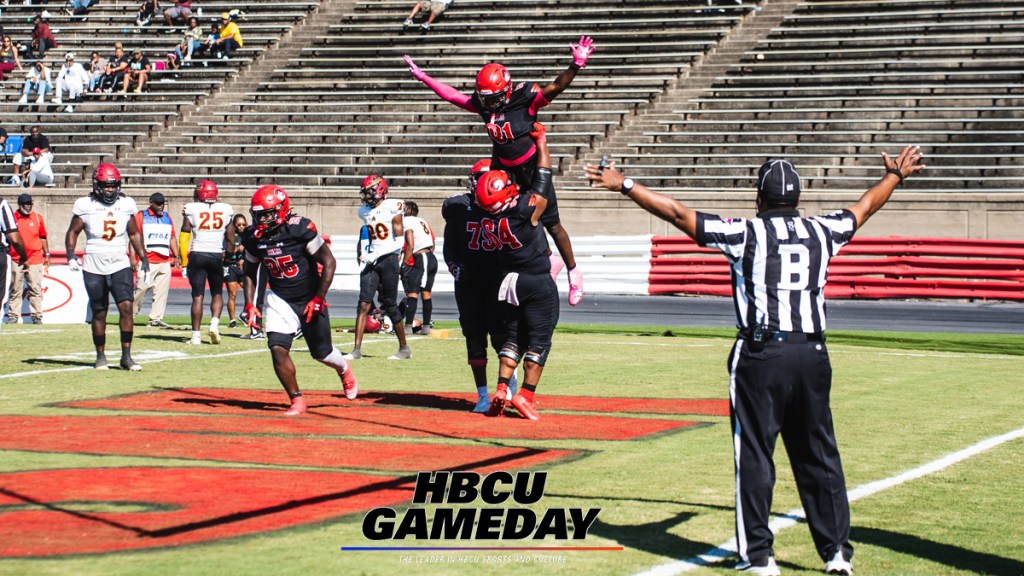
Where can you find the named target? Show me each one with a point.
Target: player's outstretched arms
(662, 206)
(581, 51)
(446, 92)
(903, 166)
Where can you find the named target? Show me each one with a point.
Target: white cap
(69, 55)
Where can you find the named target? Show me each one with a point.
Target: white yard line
(778, 523)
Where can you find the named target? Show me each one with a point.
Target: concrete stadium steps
(100, 119)
(848, 79)
(346, 92)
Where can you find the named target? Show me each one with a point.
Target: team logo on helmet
(373, 190)
(495, 191)
(478, 170)
(269, 209)
(206, 191)
(494, 87)
(106, 183)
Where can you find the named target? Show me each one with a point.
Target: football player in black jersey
(531, 298)
(477, 277)
(509, 115)
(289, 248)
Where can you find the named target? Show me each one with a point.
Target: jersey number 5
(109, 230)
(281, 267)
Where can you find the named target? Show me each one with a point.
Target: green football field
(189, 468)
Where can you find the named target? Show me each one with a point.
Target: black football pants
(785, 389)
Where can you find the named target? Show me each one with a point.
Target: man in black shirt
(289, 248)
(779, 367)
(34, 140)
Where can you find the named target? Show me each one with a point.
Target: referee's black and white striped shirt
(7, 224)
(779, 264)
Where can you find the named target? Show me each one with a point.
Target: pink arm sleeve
(449, 94)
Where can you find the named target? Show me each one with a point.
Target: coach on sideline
(779, 370)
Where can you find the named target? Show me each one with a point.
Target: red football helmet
(373, 321)
(478, 170)
(106, 183)
(494, 87)
(269, 208)
(206, 191)
(373, 190)
(495, 191)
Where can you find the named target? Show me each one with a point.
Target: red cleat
(528, 408)
(298, 407)
(498, 401)
(348, 380)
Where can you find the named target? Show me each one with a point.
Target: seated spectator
(3, 142)
(97, 67)
(230, 36)
(179, 13)
(113, 74)
(42, 39)
(34, 140)
(209, 45)
(192, 39)
(172, 62)
(78, 7)
(138, 72)
(434, 7)
(146, 13)
(9, 60)
(72, 79)
(37, 80)
(40, 172)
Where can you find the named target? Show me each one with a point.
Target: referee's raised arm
(662, 206)
(907, 163)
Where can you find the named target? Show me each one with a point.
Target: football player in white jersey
(388, 247)
(207, 223)
(108, 219)
(418, 273)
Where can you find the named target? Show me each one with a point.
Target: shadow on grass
(58, 362)
(948, 555)
(654, 537)
(234, 403)
(178, 338)
(416, 400)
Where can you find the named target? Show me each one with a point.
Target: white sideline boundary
(779, 523)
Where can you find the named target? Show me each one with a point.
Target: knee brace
(510, 351)
(537, 355)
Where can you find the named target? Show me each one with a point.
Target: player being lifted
(389, 246)
(529, 293)
(477, 277)
(207, 221)
(289, 249)
(509, 114)
(108, 219)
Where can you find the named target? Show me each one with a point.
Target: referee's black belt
(790, 337)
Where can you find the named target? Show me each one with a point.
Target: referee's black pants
(785, 389)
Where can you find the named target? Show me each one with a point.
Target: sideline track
(791, 518)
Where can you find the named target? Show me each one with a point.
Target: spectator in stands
(9, 60)
(180, 12)
(72, 79)
(42, 39)
(3, 142)
(114, 73)
(230, 36)
(233, 262)
(37, 80)
(192, 39)
(207, 48)
(32, 229)
(78, 7)
(97, 66)
(434, 7)
(158, 237)
(138, 72)
(35, 139)
(146, 13)
(40, 172)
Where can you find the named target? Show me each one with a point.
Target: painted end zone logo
(490, 523)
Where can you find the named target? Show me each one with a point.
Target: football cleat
(348, 381)
(498, 401)
(482, 404)
(355, 354)
(298, 407)
(404, 353)
(528, 408)
(839, 565)
(195, 340)
(128, 364)
(101, 363)
(214, 336)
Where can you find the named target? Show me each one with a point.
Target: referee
(9, 236)
(779, 371)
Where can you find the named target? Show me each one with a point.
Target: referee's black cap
(778, 182)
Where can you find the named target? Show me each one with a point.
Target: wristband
(895, 171)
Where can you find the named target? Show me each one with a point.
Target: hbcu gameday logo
(489, 523)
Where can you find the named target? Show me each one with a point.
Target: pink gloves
(580, 52)
(419, 74)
